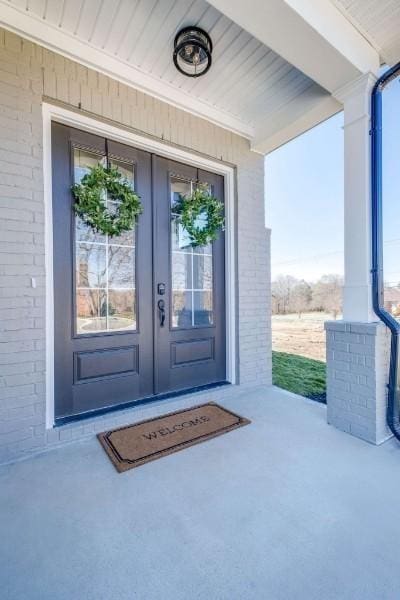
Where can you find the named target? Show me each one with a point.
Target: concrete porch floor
(287, 507)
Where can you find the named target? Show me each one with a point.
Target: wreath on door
(90, 194)
(201, 214)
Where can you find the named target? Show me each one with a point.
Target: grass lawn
(303, 376)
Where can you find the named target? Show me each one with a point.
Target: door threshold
(148, 400)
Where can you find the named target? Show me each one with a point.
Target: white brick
(356, 388)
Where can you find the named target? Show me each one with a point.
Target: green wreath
(101, 182)
(200, 204)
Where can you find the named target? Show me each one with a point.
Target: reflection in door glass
(191, 272)
(105, 267)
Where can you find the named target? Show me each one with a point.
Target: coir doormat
(137, 444)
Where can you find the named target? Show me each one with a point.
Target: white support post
(357, 297)
(357, 347)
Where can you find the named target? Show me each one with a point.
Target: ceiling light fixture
(192, 51)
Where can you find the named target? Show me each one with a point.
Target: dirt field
(304, 336)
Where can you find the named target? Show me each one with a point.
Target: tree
(327, 294)
(300, 300)
(293, 295)
(282, 288)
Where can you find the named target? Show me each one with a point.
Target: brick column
(357, 367)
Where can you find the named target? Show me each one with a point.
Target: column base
(357, 373)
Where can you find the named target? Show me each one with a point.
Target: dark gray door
(138, 315)
(103, 315)
(190, 327)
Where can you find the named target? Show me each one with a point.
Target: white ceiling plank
(36, 7)
(261, 58)
(298, 86)
(120, 25)
(288, 84)
(21, 4)
(163, 39)
(88, 15)
(150, 34)
(209, 18)
(142, 13)
(54, 11)
(236, 66)
(284, 78)
(105, 18)
(150, 18)
(268, 65)
(71, 15)
(313, 35)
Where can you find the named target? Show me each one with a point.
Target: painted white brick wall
(29, 74)
(357, 372)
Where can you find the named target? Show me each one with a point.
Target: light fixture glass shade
(192, 51)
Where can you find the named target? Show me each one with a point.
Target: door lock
(161, 289)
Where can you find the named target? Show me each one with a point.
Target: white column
(357, 347)
(357, 297)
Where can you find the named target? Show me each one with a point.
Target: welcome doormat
(137, 444)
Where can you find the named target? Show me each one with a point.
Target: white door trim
(86, 123)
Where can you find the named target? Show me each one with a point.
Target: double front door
(140, 314)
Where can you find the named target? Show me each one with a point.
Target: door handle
(161, 310)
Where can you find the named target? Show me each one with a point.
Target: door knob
(161, 310)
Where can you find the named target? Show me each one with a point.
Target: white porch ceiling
(379, 22)
(277, 64)
(132, 40)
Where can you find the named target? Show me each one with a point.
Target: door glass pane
(182, 309)
(181, 271)
(91, 310)
(191, 272)
(83, 161)
(120, 271)
(90, 265)
(105, 267)
(202, 271)
(127, 171)
(202, 312)
(121, 309)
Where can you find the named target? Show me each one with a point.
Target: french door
(140, 314)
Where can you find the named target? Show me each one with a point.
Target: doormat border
(117, 459)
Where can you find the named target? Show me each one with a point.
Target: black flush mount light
(192, 51)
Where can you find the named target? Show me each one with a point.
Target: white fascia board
(312, 35)
(298, 116)
(68, 45)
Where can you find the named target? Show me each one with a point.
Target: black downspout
(392, 414)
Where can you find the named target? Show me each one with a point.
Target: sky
(304, 198)
(304, 203)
